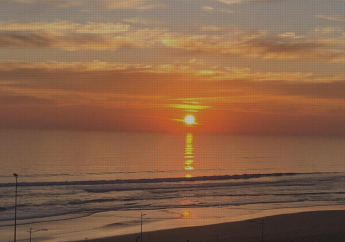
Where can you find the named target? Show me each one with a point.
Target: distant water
(64, 172)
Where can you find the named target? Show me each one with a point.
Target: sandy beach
(320, 226)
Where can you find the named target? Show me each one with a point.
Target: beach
(316, 226)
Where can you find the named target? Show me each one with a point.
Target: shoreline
(118, 226)
(316, 226)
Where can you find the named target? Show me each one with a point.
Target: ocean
(78, 184)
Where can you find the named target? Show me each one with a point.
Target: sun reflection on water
(187, 214)
(189, 155)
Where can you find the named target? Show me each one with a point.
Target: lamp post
(33, 230)
(141, 227)
(15, 210)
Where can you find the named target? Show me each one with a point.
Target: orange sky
(142, 65)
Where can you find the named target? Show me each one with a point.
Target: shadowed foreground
(324, 226)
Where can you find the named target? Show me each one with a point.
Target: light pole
(141, 227)
(32, 230)
(15, 210)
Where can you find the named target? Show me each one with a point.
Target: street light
(141, 226)
(262, 227)
(15, 209)
(32, 230)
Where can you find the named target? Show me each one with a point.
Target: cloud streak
(221, 10)
(338, 18)
(192, 69)
(72, 36)
(105, 4)
(260, 45)
(248, 1)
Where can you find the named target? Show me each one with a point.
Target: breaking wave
(159, 180)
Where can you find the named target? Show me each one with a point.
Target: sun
(189, 119)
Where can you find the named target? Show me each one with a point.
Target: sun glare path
(189, 119)
(189, 155)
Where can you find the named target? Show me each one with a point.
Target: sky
(238, 66)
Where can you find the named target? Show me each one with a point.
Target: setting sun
(189, 119)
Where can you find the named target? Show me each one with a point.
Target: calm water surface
(64, 156)
(73, 174)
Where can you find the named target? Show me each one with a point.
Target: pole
(33, 230)
(141, 226)
(15, 209)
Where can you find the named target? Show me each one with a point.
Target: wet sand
(320, 226)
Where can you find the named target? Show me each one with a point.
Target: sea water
(74, 184)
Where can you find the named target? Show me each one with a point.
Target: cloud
(131, 4)
(68, 66)
(188, 106)
(61, 27)
(14, 40)
(328, 30)
(291, 35)
(260, 44)
(340, 18)
(248, 1)
(13, 100)
(221, 10)
(114, 96)
(233, 41)
(106, 4)
(210, 28)
(189, 70)
(69, 42)
(75, 36)
(53, 3)
(138, 20)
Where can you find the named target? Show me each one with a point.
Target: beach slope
(320, 226)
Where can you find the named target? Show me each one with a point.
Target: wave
(101, 173)
(173, 187)
(134, 200)
(158, 180)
